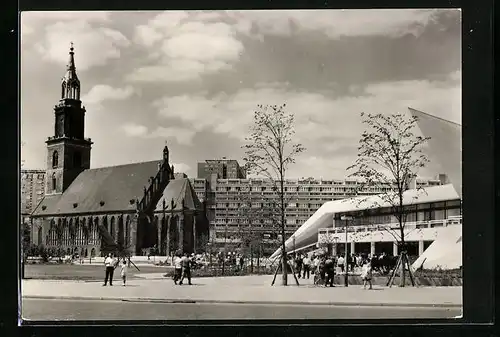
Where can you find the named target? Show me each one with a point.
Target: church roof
(177, 190)
(113, 185)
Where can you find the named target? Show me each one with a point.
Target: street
(48, 309)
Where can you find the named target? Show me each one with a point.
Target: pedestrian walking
(242, 261)
(315, 264)
(124, 272)
(110, 264)
(186, 269)
(366, 274)
(177, 267)
(330, 271)
(298, 265)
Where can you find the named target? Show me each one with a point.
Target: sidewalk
(244, 289)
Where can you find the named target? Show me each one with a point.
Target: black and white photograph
(241, 165)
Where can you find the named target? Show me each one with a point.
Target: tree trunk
(283, 248)
(258, 259)
(403, 261)
(251, 259)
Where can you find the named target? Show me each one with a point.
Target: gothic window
(127, 230)
(54, 182)
(120, 230)
(96, 230)
(63, 89)
(112, 227)
(55, 159)
(77, 159)
(40, 236)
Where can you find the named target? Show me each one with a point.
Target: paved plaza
(241, 289)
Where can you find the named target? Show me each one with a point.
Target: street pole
(346, 267)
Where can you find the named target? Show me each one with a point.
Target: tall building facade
(32, 189)
(226, 200)
(223, 168)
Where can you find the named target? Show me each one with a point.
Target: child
(123, 272)
(366, 274)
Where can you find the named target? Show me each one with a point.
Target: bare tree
(389, 156)
(269, 152)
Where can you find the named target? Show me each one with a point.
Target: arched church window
(54, 181)
(112, 227)
(40, 238)
(63, 90)
(55, 159)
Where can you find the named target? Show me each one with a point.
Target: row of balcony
(394, 226)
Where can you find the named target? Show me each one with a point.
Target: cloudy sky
(195, 78)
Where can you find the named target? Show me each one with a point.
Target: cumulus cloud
(135, 130)
(182, 135)
(337, 23)
(318, 117)
(103, 92)
(197, 43)
(95, 44)
(188, 49)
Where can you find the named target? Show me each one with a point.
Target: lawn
(84, 272)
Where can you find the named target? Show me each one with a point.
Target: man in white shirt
(177, 267)
(306, 262)
(109, 263)
(340, 263)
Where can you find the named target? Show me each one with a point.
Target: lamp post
(346, 218)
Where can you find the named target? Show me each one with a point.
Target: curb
(193, 301)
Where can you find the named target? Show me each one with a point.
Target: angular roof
(115, 185)
(445, 145)
(177, 190)
(307, 234)
(445, 252)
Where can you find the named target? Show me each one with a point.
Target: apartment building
(32, 189)
(226, 197)
(224, 169)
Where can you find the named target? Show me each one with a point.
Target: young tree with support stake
(269, 151)
(389, 156)
(251, 217)
(249, 237)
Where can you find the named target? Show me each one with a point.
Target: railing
(452, 220)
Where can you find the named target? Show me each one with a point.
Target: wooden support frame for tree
(402, 262)
(279, 266)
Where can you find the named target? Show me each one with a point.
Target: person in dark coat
(330, 271)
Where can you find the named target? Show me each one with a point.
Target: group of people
(111, 263)
(323, 267)
(182, 267)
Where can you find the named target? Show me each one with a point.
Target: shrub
(44, 253)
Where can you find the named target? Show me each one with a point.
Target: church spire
(70, 86)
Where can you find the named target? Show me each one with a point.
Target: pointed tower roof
(70, 67)
(70, 82)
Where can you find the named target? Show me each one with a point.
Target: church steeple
(70, 86)
(68, 149)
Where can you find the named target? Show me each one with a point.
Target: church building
(126, 208)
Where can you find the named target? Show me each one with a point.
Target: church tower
(68, 151)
